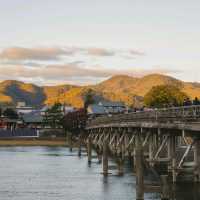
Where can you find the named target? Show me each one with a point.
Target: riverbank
(33, 142)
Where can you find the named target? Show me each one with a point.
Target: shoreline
(53, 142)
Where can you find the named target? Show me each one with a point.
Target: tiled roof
(96, 109)
(111, 104)
(33, 117)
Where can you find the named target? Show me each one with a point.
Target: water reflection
(36, 173)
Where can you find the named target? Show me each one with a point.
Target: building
(9, 124)
(22, 108)
(64, 108)
(33, 120)
(106, 107)
(95, 110)
(113, 107)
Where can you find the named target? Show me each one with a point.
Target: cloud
(20, 53)
(70, 72)
(100, 52)
(137, 53)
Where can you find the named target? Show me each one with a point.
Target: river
(55, 173)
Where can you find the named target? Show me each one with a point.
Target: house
(44, 110)
(106, 107)
(95, 110)
(9, 124)
(33, 119)
(113, 107)
(22, 108)
(65, 109)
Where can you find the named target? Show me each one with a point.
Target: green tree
(10, 113)
(54, 115)
(164, 95)
(88, 98)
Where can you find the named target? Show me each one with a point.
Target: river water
(51, 173)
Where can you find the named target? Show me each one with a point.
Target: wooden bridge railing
(187, 113)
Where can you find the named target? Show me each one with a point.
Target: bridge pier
(151, 148)
(105, 157)
(139, 168)
(79, 145)
(70, 143)
(164, 188)
(89, 149)
(172, 156)
(99, 155)
(197, 160)
(120, 163)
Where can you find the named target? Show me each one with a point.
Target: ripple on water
(46, 173)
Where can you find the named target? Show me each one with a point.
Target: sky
(83, 42)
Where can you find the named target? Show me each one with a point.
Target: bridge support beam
(172, 156)
(151, 148)
(70, 143)
(99, 155)
(197, 160)
(139, 169)
(105, 157)
(120, 163)
(79, 145)
(89, 149)
(164, 187)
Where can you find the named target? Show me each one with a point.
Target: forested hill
(118, 88)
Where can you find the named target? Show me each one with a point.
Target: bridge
(165, 140)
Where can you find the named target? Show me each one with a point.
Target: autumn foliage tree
(54, 115)
(164, 96)
(88, 98)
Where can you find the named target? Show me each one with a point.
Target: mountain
(14, 91)
(118, 88)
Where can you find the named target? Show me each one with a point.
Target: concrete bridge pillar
(197, 160)
(139, 168)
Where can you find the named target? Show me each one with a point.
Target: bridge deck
(187, 118)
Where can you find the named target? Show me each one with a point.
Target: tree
(75, 121)
(10, 113)
(54, 115)
(164, 95)
(88, 98)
